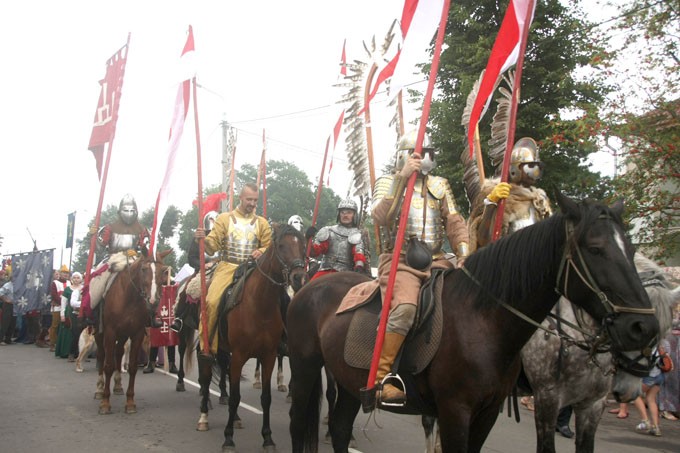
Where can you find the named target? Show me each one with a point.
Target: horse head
(598, 273)
(289, 248)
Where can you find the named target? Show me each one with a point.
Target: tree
(562, 44)
(649, 129)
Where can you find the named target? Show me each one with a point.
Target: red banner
(106, 115)
(163, 336)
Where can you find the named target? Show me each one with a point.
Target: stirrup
(392, 377)
(174, 327)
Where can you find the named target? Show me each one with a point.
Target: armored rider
(296, 222)
(341, 245)
(524, 203)
(432, 216)
(126, 235)
(193, 257)
(238, 236)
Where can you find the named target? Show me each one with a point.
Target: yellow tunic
(233, 234)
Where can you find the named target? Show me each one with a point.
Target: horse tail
(189, 354)
(311, 415)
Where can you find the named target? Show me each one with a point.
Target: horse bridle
(142, 291)
(285, 269)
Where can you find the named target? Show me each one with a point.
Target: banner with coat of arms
(31, 276)
(163, 336)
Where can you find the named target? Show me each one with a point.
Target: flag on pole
(504, 54)
(31, 277)
(341, 117)
(70, 229)
(419, 21)
(106, 115)
(164, 336)
(179, 116)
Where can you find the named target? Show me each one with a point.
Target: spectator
(61, 281)
(69, 330)
(7, 326)
(669, 396)
(651, 385)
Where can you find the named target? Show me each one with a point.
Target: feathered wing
(355, 137)
(501, 121)
(471, 173)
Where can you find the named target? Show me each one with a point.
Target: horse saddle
(231, 295)
(422, 341)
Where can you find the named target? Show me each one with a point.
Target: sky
(261, 65)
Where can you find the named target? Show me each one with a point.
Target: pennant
(504, 54)
(31, 277)
(164, 336)
(106, 115)
(179, 116)
(419, 21)
(70, 230)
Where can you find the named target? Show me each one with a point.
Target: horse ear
(568, 206)
(160, 256)
(617, 207)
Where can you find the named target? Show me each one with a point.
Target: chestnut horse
(490, 309)
(125, 314)
(254, 327)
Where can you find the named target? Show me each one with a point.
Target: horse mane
(528, 255)
(283, 229)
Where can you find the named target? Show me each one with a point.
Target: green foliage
(561, 48)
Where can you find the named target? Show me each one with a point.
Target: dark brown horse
(254, 326)
(125, 314)
(582, 252)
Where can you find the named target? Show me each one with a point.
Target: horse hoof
(257, 385)
(283, 388)
(228, 449)
(353, 443)
(118, 391)
(79, 370)
(202, 426)
(327, 438)
(269, 448)
(180, 388)
(238, 424)
(104, 410)
(224, 400)
(289, 399)
(98, 395)
(131, 409)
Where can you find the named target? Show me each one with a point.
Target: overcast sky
(259, 61)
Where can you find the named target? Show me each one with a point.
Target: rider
(296, 222)
(524, 205)
(193, 257)
(238, 236)
(126, 235)
(432, 215)
(341, 245)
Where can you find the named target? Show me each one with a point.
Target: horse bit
(285, 270)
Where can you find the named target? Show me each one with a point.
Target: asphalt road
(45, 406)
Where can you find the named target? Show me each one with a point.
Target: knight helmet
(209, 220)
(406, 145)
(348, 203)
(296, 222)
(525, 165)
(127, 210)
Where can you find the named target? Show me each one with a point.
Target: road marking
(252, 409)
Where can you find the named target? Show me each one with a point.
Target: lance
(201, 241)
(513, 118)
(403, 218)
(369, 143)
(231, 176)
(318, 193)
(102, 188)
(264, 176)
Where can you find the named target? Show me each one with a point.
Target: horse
(253, 327)
(561, 372)
(582, 251)
(125, 314)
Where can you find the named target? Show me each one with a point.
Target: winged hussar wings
(355, 138)
(471, 173)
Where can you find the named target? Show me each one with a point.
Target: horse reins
(285, 271)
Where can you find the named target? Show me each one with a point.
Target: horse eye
(594, 251)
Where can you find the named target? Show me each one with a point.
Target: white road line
(213, 392)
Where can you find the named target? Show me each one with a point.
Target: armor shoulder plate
(438, 186)
(382, 187)
(323, 235)
(355, 237)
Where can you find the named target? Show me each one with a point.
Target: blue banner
(32, 274)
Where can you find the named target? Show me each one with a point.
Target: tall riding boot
(391, 346)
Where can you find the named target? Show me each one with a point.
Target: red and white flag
(504, 54)
(419, 21)
(106, 115)
(179, 116)
(341, 116)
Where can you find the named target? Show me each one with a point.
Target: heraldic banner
(163, 336)
(32, 275)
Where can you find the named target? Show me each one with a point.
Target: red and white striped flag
(106, 115)
(179, 116)
(504, 54)
(419, 21)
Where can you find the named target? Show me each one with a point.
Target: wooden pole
(369, 144)
(318, 193)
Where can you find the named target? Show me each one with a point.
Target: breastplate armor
(241, 242)
(528, 217)
(120, 242)
(340, 239)
(434, 226)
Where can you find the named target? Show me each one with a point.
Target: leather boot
(149, 367)
(391, 346)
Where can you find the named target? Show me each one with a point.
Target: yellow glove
(500, 192)
(131, 253)
(93, 230)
